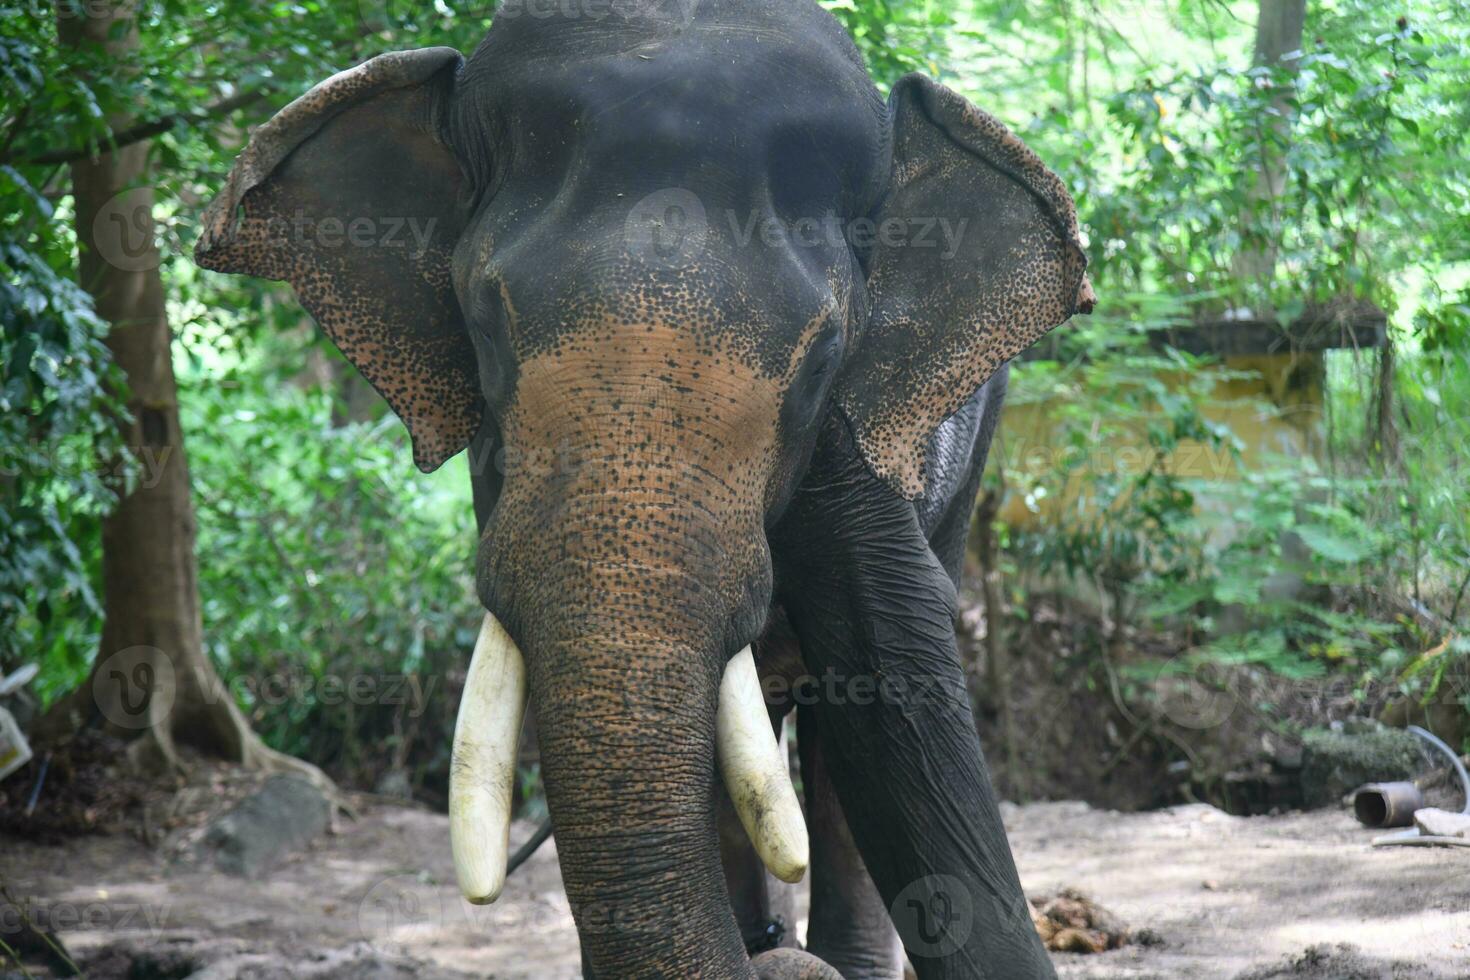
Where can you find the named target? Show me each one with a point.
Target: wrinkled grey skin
(707, 439)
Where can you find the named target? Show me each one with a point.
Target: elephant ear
(947, 310)
(350, 194)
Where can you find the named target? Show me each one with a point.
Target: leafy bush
(1349, 565)
(61, 461)
(336, 580)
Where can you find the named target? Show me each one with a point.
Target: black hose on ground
(1413, 837)
(1454, 757)
(524, 852)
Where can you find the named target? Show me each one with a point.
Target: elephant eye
(818, 370)
(826, 351)
(484, 311)
(485, 316)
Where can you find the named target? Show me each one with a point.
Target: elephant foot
(792, 964)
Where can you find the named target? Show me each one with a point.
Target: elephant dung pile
(1070, 922)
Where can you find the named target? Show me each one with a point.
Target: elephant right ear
(350, 194)
(941, 323)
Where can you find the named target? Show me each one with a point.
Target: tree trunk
(1294, 378)
(1279, 26)
(1279, 29)
(151, 679)
(1383, 437)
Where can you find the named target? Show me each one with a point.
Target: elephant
(732, 330)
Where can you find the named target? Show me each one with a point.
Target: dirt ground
(1301, 895)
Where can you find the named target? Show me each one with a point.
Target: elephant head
(647, 259)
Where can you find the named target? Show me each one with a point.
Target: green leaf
(1331, 546)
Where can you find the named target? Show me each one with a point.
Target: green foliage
(897, 36)
(1125, 514)
(60, 460)
(57, 441)
(1345, 564)
(61, 457)
(1342, 128)
(336, 582)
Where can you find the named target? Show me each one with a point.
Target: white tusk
(756, 774)
(482, 770)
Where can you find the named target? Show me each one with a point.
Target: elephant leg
(874, 611)
(849, 925)
(792, 964)
(764, 905)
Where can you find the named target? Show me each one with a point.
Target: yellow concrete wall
(1277, 409)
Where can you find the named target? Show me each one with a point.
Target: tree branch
(145, 130)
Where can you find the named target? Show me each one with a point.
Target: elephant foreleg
(764, 905)
(849, 925)
(874, 611)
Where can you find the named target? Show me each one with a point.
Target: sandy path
(1226, 895)
(1231, 893)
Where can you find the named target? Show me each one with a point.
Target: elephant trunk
(627, 727)
(633, 729)
(629, 570)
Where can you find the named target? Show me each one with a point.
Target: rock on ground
(282, 817)
(1334, 763)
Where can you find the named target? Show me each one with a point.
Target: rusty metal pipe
(1387, 804)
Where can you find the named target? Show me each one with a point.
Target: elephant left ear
(977, 255)
(352, 194)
